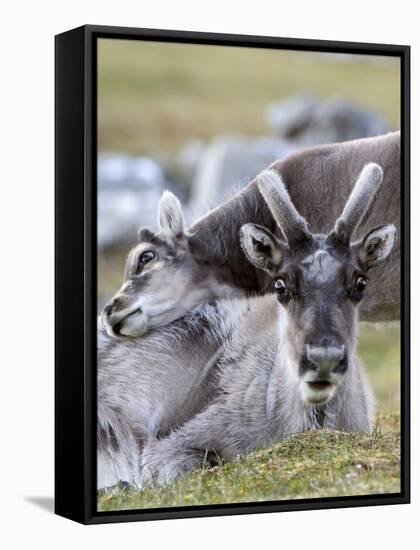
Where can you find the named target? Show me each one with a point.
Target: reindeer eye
(146, 257)
(361, 283)
(284, 295)
(280, 286)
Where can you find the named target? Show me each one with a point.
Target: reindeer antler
(361, 197)
(273, 190)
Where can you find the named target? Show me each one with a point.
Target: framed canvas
(232, 274)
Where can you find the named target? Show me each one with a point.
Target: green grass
(308, 465)
(152, 97)
(379, 350)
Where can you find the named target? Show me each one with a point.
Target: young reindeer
(163, 278)
(150, 385)
(289, 364)
(237, 373)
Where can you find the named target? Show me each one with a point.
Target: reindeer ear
(376, 246)
(170, 216)
(261, 247)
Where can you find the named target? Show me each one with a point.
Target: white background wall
(26, 271)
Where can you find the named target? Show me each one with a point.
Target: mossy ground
(308, 465)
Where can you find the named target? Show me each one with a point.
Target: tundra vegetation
(153, 97)
(307, 465)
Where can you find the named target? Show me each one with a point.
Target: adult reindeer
(241, 373)
(318, 181)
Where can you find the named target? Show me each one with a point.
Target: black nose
(325, 360)
(111, 307)
(108, 309)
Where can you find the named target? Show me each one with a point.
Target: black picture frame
(75, 272)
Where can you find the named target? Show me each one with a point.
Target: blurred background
(202, 121)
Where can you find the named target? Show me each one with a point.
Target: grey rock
(129, 189)
(307, 121)
(116, 170)
(291, 117)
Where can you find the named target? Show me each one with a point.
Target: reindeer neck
(216, 238)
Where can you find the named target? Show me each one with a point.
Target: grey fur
(358, 204)
(272, 188)
(166, 287)
(318, 180)
(228, 378)
(170, 217)
(182, 394)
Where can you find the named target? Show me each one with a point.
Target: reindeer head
(163, 278)
(319, 279)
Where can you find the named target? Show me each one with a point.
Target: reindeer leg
(194, 444)
(118, 450)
